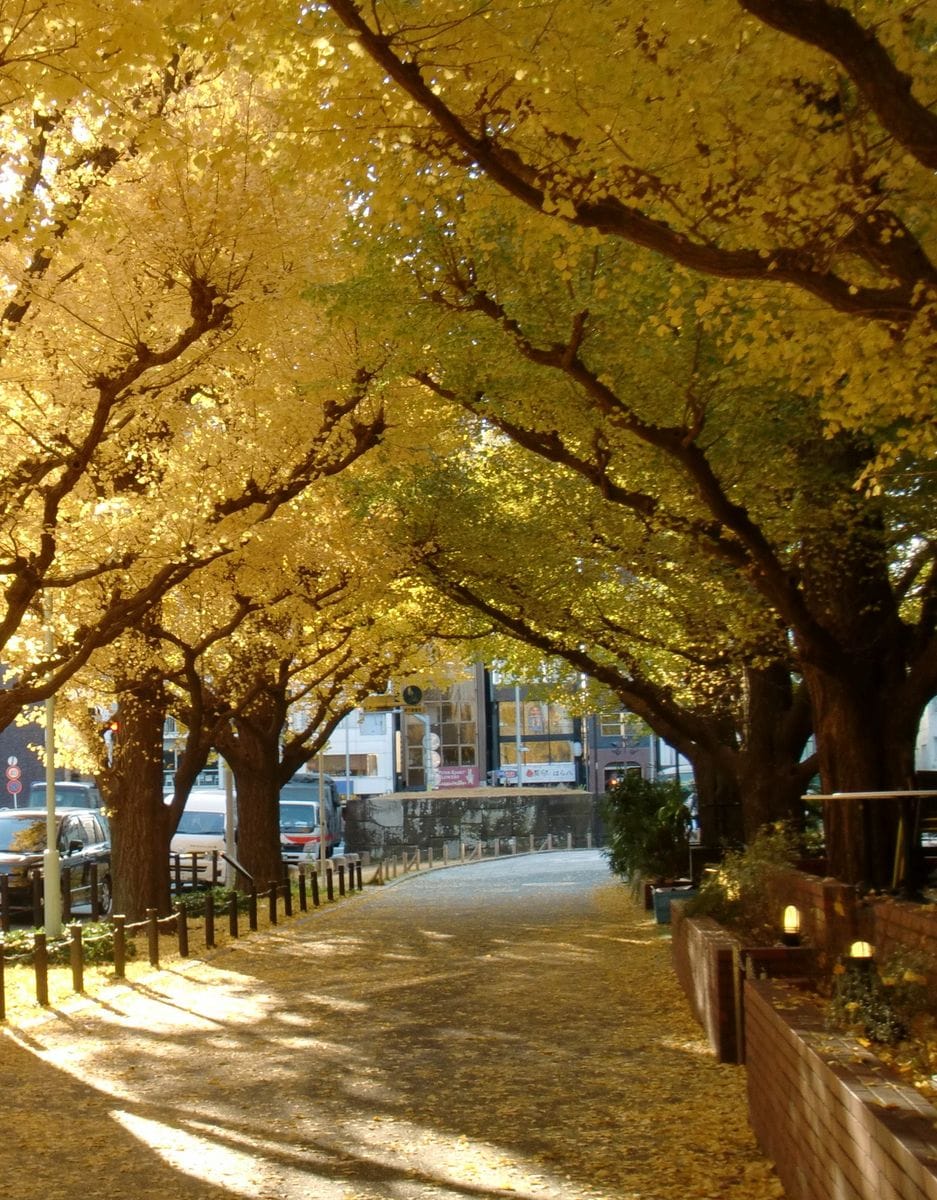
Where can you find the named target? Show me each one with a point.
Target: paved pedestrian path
(502, 1029)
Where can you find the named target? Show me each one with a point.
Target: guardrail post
(341, 878)
(152, 936)
(302, 889)
(120, 946)
(569, 841)
(329, 882)
(272, 897)
(288, 897)
(233, 914)
(75, 952)
(41, 966)
(209, 919)
(182, 928)
(531, 843)
(589, 839)
(314, 884)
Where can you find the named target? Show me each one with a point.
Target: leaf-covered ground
(494, 1030)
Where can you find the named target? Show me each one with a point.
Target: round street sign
(13, 772)
(14, 786)
(412, 694)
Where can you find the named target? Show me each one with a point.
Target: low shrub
(97, 943)
(880, 1001)
(739, 893)
(195, 902)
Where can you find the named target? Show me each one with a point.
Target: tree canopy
(682, 257)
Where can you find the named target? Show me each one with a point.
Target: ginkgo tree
(539, 558)
(256, 657)
(268, 695)
(152, 305)
(733, 467)
(786, 149)
(712, 254)
(166, 385)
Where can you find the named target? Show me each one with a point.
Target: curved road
(509, 1028)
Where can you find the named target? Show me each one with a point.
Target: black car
(83, 840)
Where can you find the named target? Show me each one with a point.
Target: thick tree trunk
(718, 798)
(865, 743)
(258, 807)
(856, 667)
(252, 750)
(140, 821)
(772, 772)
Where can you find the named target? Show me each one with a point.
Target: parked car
(83, 840)
(68, 794)
(201, 830)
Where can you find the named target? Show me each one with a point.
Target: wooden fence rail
(278, 895)
(347, 869)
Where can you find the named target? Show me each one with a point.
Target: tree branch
(895, 304)
(868, 64)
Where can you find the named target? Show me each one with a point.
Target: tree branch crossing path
(509, 1028)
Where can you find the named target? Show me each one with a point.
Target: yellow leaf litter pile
(467, 1035)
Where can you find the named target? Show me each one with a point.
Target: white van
(201, 830)
(68, 794)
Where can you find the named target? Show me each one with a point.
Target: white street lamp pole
(230, 821)
(518, 748)
(51, 865)
(322, 854)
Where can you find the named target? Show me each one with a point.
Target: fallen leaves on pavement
(396, 1047)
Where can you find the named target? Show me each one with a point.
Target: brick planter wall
(704, 958)
(833, 916)
(895, 925)
(834, 1120)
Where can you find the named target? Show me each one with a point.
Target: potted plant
(648, 837)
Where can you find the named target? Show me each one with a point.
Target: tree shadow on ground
(405, 1048)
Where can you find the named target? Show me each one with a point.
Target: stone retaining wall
(381, 825)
